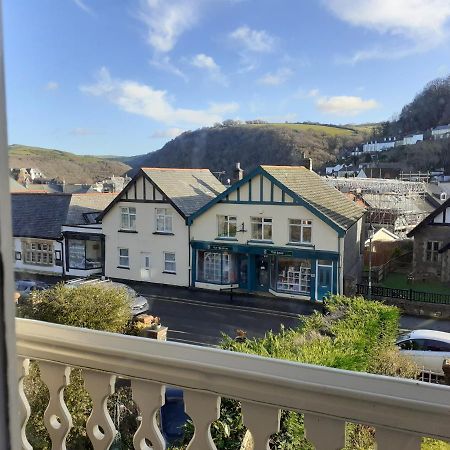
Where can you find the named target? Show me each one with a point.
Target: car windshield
(403, 337)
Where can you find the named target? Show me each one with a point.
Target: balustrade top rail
(403, 294)
(405, 406)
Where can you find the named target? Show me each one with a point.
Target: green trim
(261, 188)
(250, 190)
(238, 194)
(271, 191)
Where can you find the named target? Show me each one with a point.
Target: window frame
(303, 224)
(228, 220)
(167, 261)
(34, 253)
(432, 253)
(165, 215)
(125, 212)
(124, 266)
(265, 223)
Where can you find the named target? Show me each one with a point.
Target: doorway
(145, 266)
(262, 274)
(324, 280)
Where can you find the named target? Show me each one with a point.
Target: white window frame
(37, 252)
(266, 223)
(433, 252)
(227, 220)
(163, 220)
(126, 215)
(121, 257)
(170, 262)
(303, 224)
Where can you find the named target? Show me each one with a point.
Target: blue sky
(125, 76)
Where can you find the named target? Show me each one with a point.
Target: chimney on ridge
(238, 173)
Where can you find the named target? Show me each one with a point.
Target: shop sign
(219, 248)
(278, 252)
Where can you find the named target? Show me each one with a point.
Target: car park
(428, 348)
(139, 304)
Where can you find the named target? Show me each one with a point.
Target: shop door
(243, 271)
(262, 275)
(324, 280)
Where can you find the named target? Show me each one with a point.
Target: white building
(412, 139)
(375, 146)
(441, 132)
(146, 234)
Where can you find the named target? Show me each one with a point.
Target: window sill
(166, 233)
(224, 238)
(127, 231)
(123, 267)
(301, 244)
(169, 273)
(259, 241)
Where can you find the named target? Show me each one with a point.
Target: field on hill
(64, 165)
(316, 128)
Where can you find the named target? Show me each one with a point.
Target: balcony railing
(401, 411)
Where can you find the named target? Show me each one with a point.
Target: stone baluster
(99, 426)
(262, 421)
(149, 397)
(203, 408)
(23, 366)
(396, 440)
(324, 433)
(57, 418)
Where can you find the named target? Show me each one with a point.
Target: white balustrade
(23, 368)
(400, 411)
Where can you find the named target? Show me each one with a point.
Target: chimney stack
(238, 173)
(307, 162)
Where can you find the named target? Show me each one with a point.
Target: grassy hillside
(64, 165)
(219, 148)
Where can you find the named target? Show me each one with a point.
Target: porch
(401, 411)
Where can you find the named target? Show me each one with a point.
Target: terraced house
(281, 230)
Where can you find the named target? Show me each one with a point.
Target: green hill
(64, 165)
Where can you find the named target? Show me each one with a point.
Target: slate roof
(84, 205)
(188, 189)
(39, 215)
(15, 186)
(429, 218)
(313, 190)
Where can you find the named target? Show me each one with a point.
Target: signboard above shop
(273, 252)
(219, 248)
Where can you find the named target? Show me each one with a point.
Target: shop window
(37, 252)
(300, 231)
(213, 267)
(169, 262)
(261, 228)
(431, 253)
(124, 257)
(163, 220)
(84, 254)
(291, 275)
(128, 218)
(227, 226)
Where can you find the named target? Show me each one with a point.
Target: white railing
(402, 411)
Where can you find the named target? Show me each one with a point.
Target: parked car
(428, 348)
(26, 287)
(139, 304)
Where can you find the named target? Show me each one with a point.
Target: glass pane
(295, 233)
(306, 234)
(221, 226)
(268, 232)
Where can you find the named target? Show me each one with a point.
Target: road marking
(188, 341)
(226, 307)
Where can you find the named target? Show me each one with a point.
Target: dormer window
(128, 218)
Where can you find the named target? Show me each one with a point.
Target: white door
(145, 266)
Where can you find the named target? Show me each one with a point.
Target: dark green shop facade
(283, 271)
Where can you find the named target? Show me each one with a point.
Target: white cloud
(276, 78)
(422, 23)
(313, 93)
(167, 20)
(144, 100)
(51, 86)
(344, 105)
(258, 41)
(169, 133)
(163, 62)
(82, 5)
(207, 63)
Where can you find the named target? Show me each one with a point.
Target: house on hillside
(412, 139)
(441, 132)
(145, 227)
(55, 233)
(431, 258)
(375, 146)
(280, 230)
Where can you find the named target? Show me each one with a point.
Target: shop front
(284, 272)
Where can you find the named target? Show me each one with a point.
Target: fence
(403, 294)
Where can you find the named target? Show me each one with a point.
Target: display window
(216, 267)
(291, 275)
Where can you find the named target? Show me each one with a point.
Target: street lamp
(371, 233)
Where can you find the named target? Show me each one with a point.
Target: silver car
(428, 348)
(26, 287)
(139, 304)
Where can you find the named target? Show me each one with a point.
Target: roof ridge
(173, 168)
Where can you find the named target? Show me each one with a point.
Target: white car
(139, 304)
(428, 348)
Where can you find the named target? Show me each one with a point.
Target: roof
(15, 186)
(188, 189)
(430, 217)
(84, 205)
(430, 334)
(39, 214)
(397, 202)
(441, 127)
(310, 187)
